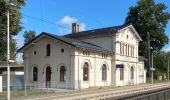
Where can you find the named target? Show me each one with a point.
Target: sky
(56, 16)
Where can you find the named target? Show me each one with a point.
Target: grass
(21, 93)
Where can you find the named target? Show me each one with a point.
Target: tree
(149, 17)
(15, 25)
(160, 63)
(29, 35)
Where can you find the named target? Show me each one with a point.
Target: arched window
(86, 72)
(131, 73)
(48, 50)
(104, 72)
(62, 73)
(35, 74)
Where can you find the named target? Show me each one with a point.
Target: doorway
(48, 77)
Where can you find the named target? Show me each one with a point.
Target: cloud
(67, 20)
(65, 24)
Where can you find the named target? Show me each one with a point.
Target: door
(48, 77)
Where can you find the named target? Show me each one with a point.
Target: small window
(87, 53)
(104, 55)
(48, 50)
(83, 52)
(127, 36)
(35, 52)
(62, 50)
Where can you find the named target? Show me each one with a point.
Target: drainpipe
(78, 73)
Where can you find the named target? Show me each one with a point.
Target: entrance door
(48, 76)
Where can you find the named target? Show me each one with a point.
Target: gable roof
(72, 42)
(103, 31)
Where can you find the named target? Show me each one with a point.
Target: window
(62, 73)
(127, 36)
(62, 50)
(131, 73)
(104, 72)
(126, 49)
(86, 72)
(48, 50)
(133, 51)
(104, 55)
(35, 74)
(35, 52)
(120, 48)
(121, 74)
(87, 53)
(123, 49)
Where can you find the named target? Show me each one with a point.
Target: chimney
(75, 27)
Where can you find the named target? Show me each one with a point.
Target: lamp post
(9, 5)
(8, 58)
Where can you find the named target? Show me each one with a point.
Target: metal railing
(36, 88)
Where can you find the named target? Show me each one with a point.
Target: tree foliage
(160, 63)
(149, 17)
(28, 36)
(15, 25)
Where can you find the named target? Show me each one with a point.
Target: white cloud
(65, 24)
(67, 20)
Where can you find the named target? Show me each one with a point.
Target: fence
(29, 89)
(35, 88)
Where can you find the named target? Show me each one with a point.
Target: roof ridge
(96, 31)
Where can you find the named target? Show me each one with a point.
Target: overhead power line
(45, 21)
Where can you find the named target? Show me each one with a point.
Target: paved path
(96, 93)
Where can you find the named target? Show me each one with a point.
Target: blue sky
(91, 14)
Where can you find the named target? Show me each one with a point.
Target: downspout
(78, 73)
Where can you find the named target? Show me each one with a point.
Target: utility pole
(152, 70)
(9, 6)
(148, 54)
(8, 58)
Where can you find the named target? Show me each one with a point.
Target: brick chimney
(75, 27)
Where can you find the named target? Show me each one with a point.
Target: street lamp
(9, 5)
